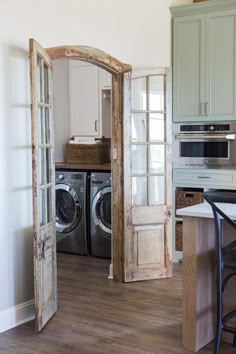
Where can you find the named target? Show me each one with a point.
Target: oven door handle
(201, 137)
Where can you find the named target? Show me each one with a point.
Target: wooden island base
(199, 282)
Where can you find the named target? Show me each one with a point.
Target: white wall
(61, 106)
(136, 32)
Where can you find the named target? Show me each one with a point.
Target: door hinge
(114, 154)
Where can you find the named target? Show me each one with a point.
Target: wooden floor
(97, 315)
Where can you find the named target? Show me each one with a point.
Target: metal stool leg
(234, 340)
(219, 291)
(219, 320)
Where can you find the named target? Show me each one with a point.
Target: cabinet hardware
(96, 125)
(206, 108)
(202, 136)
(204, 177)
(201, 109)
(230, 136)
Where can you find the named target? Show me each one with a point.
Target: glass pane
(41, 166)
(139, 191)
(139, 97)
(156, 127)
(139, 127)
(42, 207)
(48, 165)
(49, 204)
(39, 79)
(46, 83)
(156, 159)
(139, 159)
(47, 125)
(41, 126)
(156, 93)
(156, 190)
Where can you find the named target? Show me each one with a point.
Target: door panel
(45, 277)
(147, 177)
(148, 215)
(149, 245)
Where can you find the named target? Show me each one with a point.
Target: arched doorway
(117, 69)
(44, 168)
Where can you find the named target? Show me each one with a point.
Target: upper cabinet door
(220, 66)
(188, 68)
(204, 65)
(147, 177)
(84, 99)
(45, 269)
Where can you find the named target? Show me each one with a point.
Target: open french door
(45, 277)
(147, 177)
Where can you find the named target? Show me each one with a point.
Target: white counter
(204, 210)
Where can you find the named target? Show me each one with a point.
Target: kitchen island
(199, 282)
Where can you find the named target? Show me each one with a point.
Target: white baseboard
(16, 315)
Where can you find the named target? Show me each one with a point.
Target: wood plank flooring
(99, 316)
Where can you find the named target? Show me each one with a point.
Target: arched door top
(91, 55)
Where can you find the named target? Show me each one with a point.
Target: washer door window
(68, 208)
(101, 211)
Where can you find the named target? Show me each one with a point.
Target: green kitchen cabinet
(204, 62)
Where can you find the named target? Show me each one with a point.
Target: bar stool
(226, 259)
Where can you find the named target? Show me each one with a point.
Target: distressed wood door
(147, 177)
(45, 271)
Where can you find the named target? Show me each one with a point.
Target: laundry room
(82, 95)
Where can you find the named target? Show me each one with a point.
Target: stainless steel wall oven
(210, 145)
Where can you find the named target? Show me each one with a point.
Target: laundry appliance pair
(83, 212)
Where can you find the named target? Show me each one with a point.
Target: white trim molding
(203, 7)
(16, 315)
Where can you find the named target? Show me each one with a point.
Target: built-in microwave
(209, 145)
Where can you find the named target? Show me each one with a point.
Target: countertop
(204, 210)
(87, 167)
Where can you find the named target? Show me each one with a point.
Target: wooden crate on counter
(98, 153)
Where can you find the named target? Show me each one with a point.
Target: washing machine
(100, 214)
(71, 230)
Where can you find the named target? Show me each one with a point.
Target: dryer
(100, 214)
(71, 230)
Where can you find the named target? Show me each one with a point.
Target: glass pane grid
(45, 146)
(148, 141)
(43, 75)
